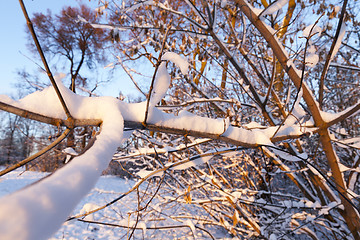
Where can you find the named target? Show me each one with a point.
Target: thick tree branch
(129, 123)
(48, 120)
(350, 215)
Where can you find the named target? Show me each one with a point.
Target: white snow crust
(340, 38)
(312, 30)
(37, 211)
(274, 7)
(161, 85)
(180, 61)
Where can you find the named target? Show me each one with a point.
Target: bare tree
(67, 39)
(65, 36)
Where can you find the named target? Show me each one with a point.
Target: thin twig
(36, 155)
(48, 71)
(154, 76)
(137, 215)
(271, 82)
(149, 228)
(302, 78)
(130, 76)
(203, 100)
(328, 57)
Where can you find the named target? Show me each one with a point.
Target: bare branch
(48, 71)
(328, 58)
(150, 228)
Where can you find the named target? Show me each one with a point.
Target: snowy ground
(107, 189)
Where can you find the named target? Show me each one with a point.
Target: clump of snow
(223, 3)
(328, 117)
(292, 124)
(312, 60)
(273, 237)
(254, 136)
(257, 11)
(162, 80)
(187, 120)
(181, 62)
(136, 6)
(337, 9)
(70, 152)
(161, 85)
(88, 207)
(343, 168)
(144, 173)
(338, 41)
(312, 30)
(288, 157)
(134, 111)
(274, 7)
(298, 111)
(311, 49)
(192, 163)
(253, 124)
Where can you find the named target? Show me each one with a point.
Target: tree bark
(349, 214)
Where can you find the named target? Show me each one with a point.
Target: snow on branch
(37, 211)
(165, 150)
(274, 7)
(350, 213)
(181, 62)
(338, 40)
(295, 74)
(333, 118)
(46, 104)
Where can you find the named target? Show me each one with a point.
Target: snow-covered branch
(296, 76)
(234, 131)
(38, 211)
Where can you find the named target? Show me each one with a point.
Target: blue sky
(14, 54)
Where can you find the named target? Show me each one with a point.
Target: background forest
(247, 113)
